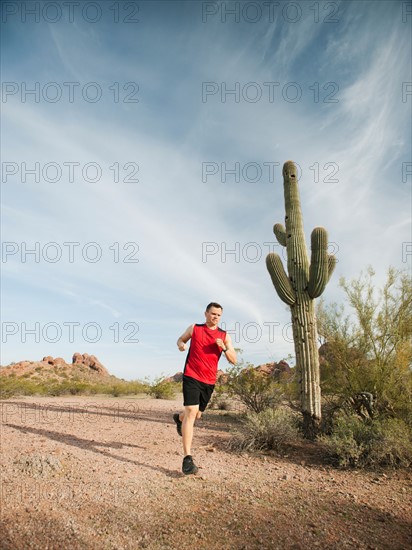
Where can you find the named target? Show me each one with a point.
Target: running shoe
(188, 466)
(178, 423)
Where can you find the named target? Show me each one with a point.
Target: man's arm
(228, 349)
(181, 343)
(230, 353)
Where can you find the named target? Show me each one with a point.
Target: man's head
(213, 313)
(214, 304)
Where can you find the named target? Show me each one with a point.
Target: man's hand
(220, 343)
(230, 353)
(186, 336)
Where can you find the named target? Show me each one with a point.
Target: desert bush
(10, 387)
(222, 403)
(54, 387)
(357, 442)
(220, 399)
(347, 445)
(135, 387)
(159, 389)
(116, 390)
(330, 408)
(367, 354)
(270, 429)
(257, 391)
(123, 388)
(394, 444)
(67, 388)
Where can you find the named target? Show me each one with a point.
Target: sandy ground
(105, 473)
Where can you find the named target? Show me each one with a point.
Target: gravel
(105, 473)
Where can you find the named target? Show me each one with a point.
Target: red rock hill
(81, 365)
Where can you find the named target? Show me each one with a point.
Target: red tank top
(203, 355)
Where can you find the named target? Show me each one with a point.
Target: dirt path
(104, 473)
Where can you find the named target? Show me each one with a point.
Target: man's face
(213, 316)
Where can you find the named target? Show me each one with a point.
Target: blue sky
(129, 131)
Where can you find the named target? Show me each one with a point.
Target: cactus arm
(280, 279)
(332, 261)
(280, 233)
(318, 274)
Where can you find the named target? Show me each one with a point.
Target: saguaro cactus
(303, 283)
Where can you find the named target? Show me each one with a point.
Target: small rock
(382, 519)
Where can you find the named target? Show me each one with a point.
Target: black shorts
(196, 393)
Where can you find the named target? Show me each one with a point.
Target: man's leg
(186, 420)
(189, 416)
(182, 415)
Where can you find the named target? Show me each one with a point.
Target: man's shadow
(94, 446)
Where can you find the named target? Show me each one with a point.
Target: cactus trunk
(307, 363)
(304, 282)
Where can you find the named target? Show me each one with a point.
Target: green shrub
(271, 429)
(159, 389)
(19, 386)
(117, 389)
(55, 387)
(393, 445)
(58, 389)
(368, 350)
(356, 442)
(135, 387)
(256, 390)
(8, 387)
(347, 443)
(77, 389)
(220, 399)
(222, 404)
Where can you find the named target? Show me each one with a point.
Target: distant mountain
(82, 367)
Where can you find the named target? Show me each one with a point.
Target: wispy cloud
(171, 212)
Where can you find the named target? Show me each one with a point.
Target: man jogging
(208, 342)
